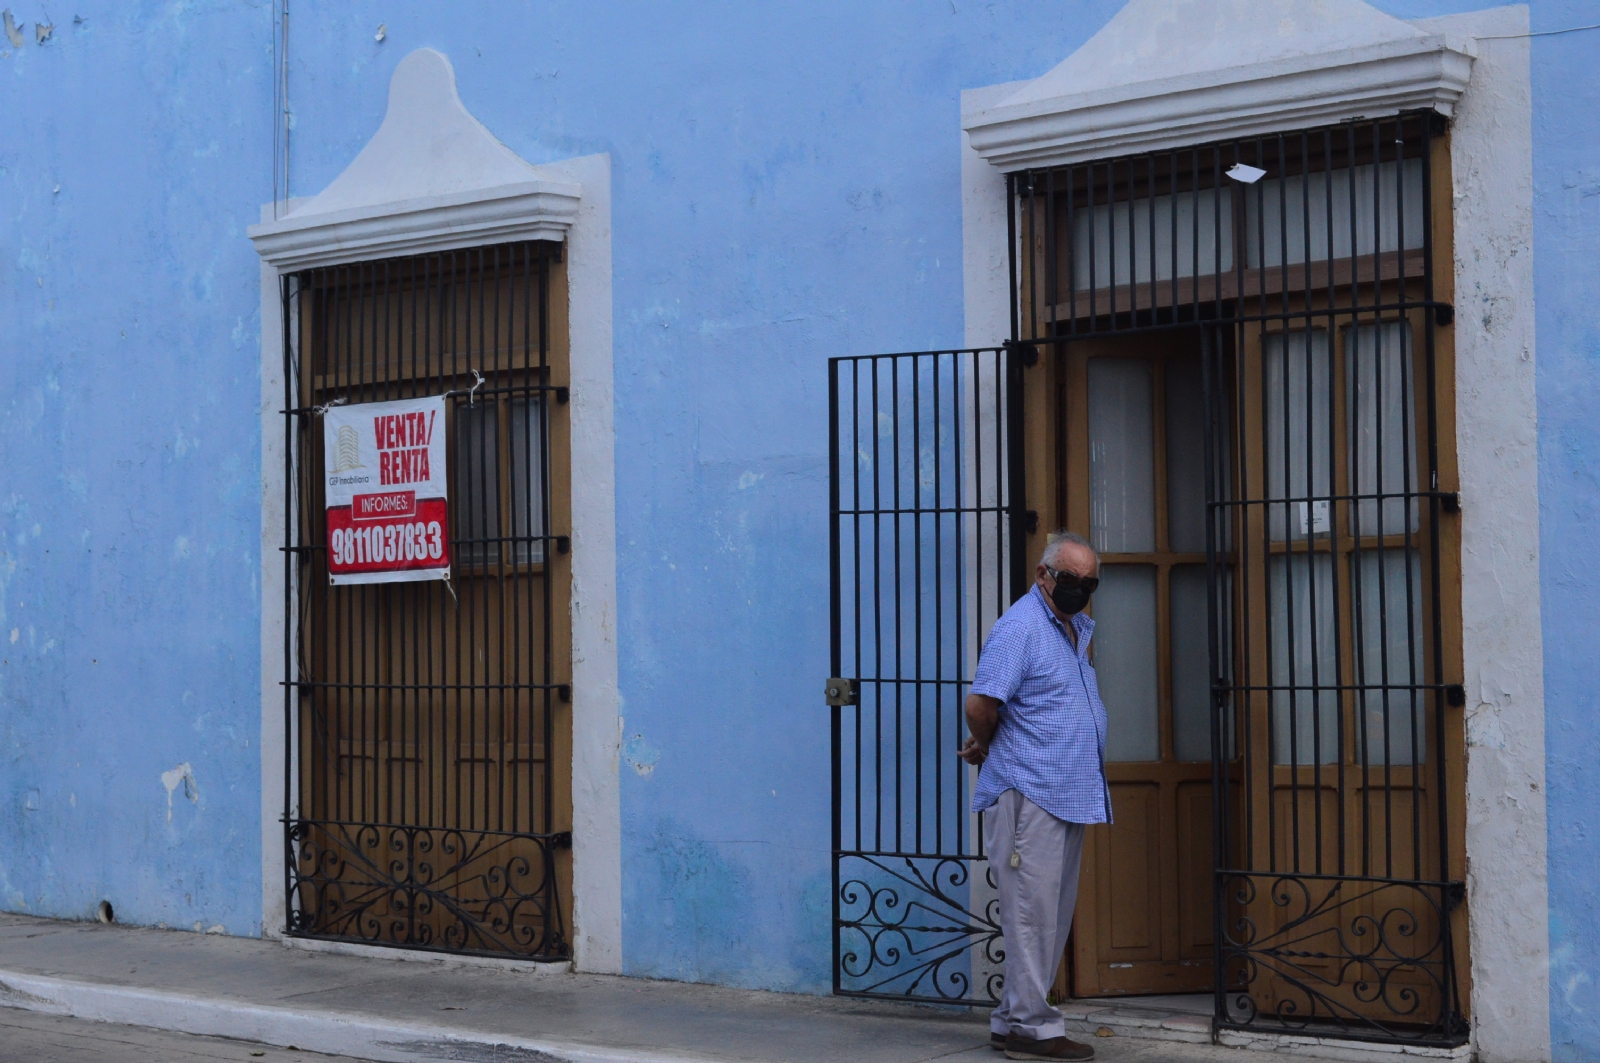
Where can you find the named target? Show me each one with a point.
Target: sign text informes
(387, 511)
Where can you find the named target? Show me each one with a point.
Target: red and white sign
(388, 519)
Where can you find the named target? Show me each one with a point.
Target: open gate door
(924, 538)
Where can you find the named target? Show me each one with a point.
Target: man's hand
(983, 718)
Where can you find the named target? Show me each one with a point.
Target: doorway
(1240, 381)
(1122, 421)
(427, 798)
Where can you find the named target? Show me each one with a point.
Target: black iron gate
(1311, 266)
(420, 806)
(924, 544)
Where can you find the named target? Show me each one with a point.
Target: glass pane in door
(1389, 654)
(1382, 452)
(1191, 664)
(1122, 499)
(527, 479)
(477, 487)
(1305, 678)
(1125, 661)
(1298, 435)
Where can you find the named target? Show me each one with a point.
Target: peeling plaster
(182, 775)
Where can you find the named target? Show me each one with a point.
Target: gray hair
(1060, 538)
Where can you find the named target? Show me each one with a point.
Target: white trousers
(1036, 901)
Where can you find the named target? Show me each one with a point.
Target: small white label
(1314, 518)
(1016, 860)
(1122, 965)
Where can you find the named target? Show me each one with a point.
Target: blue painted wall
(786, 188)
(129, 486)
(1566, 262)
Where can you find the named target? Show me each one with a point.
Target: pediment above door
(1165, 74)
(431, 178)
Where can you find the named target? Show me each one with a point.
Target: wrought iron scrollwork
(919, 928)
(1360, 958)
(427, 887)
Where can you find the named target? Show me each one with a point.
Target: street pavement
(30, 1037)
(396, 1007)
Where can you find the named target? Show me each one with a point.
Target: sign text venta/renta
(387, 515)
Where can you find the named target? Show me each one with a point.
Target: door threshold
(438, 959)
(1187, 1018)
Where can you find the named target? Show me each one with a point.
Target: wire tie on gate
(472, 393)
(325, 407)
(452, 590)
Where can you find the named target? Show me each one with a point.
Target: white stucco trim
(596, 696)
(274, 617)
(424, 176)
(1496, 418)
(527, 210)
(985, 259)
(1491, 147)
(1226, 69)
(431, 178)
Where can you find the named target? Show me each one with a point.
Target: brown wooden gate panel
(427, 802)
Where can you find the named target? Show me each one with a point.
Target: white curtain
(1303, 636)
(1389, 652)
(1122, 503)
(1382, 426)
(1299, 440)
(1287, 209)
(1186, 240)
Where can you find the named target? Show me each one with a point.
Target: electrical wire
(1538, 33)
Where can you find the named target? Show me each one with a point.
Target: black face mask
(1071, 593)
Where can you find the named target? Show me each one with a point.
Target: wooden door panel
(1196, 863)
(1130, 871)
(1144, 910)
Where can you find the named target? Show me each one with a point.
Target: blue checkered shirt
(1051, 742)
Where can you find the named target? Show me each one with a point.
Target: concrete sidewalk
(377, 1008)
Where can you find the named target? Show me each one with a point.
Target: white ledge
(1037, 126)
(431, 178)
(527, 210)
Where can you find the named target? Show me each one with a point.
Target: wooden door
(1340, 796)
(433, 731)
(1117, 453)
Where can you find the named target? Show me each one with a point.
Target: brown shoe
(997, 1041)
(1020, 1047)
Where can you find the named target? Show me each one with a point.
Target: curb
(383, 1041)
(331, 1033)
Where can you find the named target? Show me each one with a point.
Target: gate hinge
(1455, 895)
(1450, 501)
(562, 395)
(1027, 351)
(561, 839)
(563, 544)
(1455, 695)
(564, 692)
(1444, 314)
(1033, 521)
(840, 692)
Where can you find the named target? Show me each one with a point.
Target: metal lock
(841, 692)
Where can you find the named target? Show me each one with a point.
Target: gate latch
(841, 692)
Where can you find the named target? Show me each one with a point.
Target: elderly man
(1039, 731)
